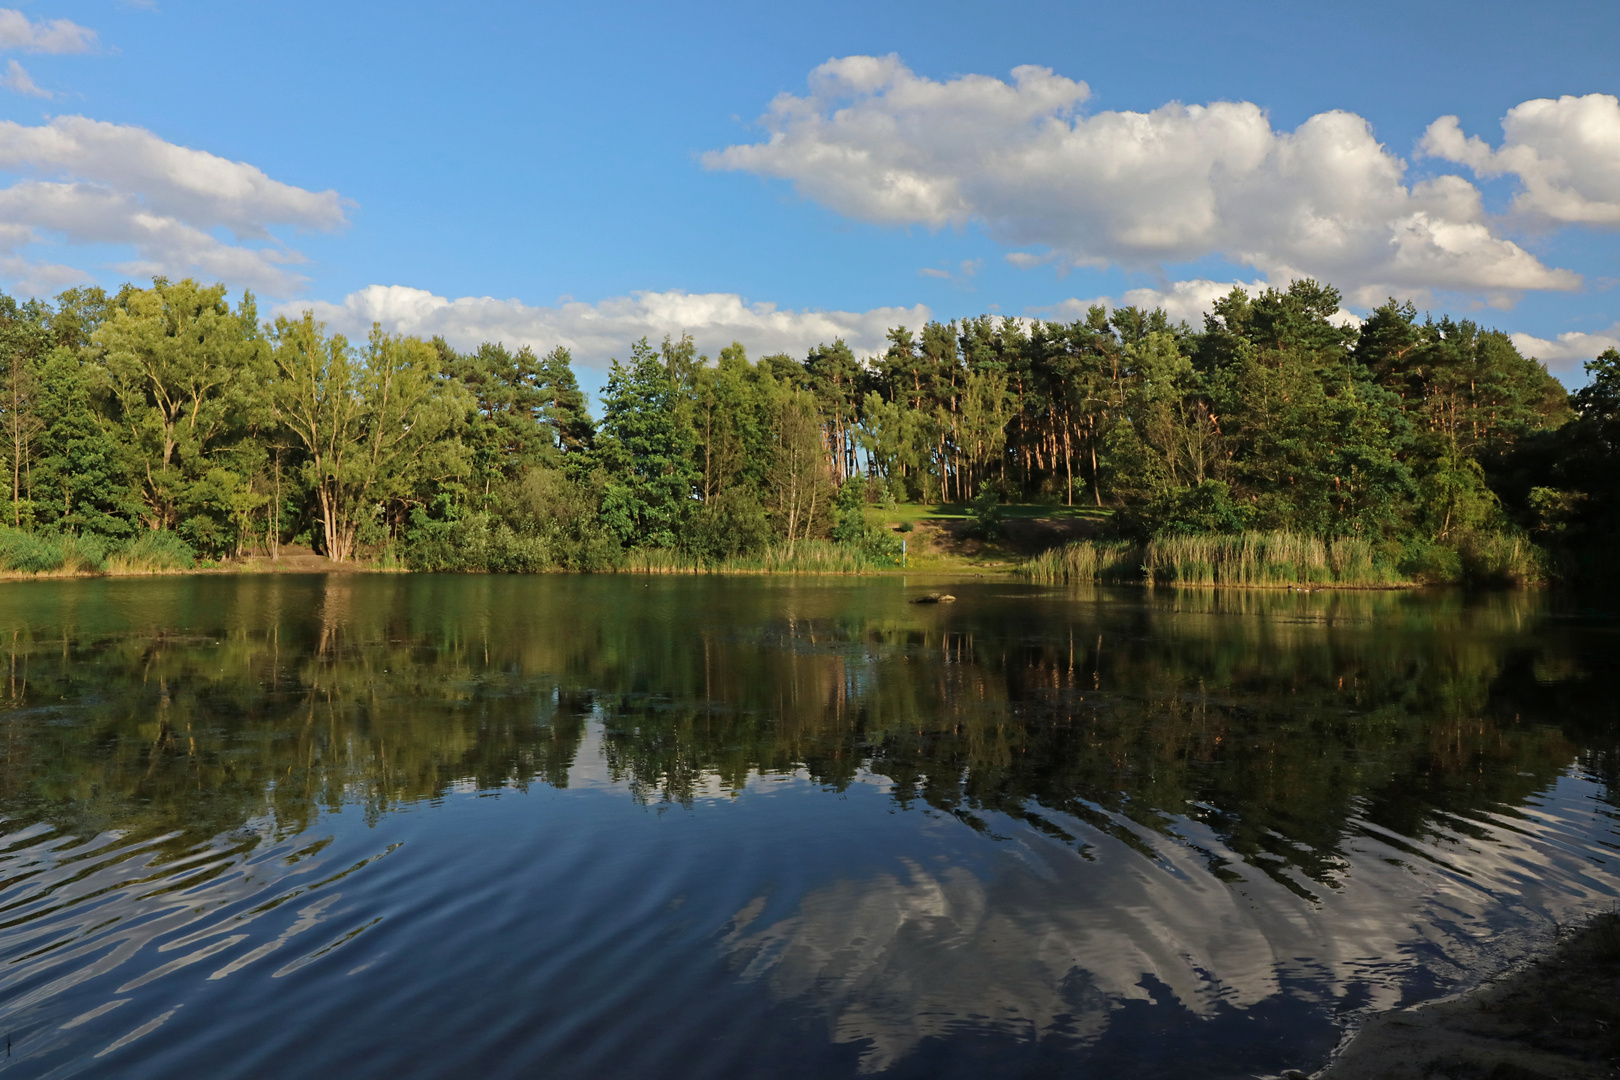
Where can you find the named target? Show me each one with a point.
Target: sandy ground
(291, 559)
(1556, 1019)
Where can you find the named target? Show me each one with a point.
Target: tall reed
(1082, 561)
(48, 553)
(151, 553)
(805, 557)
(1259, 559)
(67, 554)
(1502, 558)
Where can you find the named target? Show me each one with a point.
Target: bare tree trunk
(1068, 464)
(1096, 488)
(810, 515)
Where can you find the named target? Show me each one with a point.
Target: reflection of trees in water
(1281, 721)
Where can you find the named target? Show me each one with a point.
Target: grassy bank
(24, 554)
(1284, 560)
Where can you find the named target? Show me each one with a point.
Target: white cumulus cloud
(595, 332)
(1568, 351)
(873, 140)
(90, 182)
(18, 81)
(17, 31)
(1565, 153)
(1183, 301)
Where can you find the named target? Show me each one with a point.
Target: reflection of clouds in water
(1047, 944)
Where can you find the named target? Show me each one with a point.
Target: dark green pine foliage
(509, 432)
(1564, 483)
(564, 410)
(645, 446)
(83, 478)
(1313, 443)
(1470, 399)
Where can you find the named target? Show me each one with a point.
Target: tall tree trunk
(1096, 488)
(1068, 465)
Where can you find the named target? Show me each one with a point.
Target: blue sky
(557, 173)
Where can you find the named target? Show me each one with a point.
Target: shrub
(1429, 563)
(984, 514)
(726, 526)
(1195, 510)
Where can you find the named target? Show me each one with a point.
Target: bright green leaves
(370, 424)
(186, 376)
(645, 446)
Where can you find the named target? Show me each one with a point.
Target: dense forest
(169, 412)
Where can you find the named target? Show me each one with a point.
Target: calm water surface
(613, 827)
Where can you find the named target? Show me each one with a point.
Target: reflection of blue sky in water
(353, 837)
(533, 930)
(1048, 942)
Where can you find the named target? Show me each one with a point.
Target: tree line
(171, 409)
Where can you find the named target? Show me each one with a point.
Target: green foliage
(1265, 559)
(1082, 562)
(1562, 486)
(1498, 557)
(646, 449)
(1428, 562)
(30, 553)
(984, 513)
(151, 553)
(849, 508)
(184, 374)
(1205, 507)
(170, 408)
(804, 557)
(546, 521)
(66, 553)
(726, 526)
(853, 530)
(1282, 559)
(371, 425)
(1255, 559)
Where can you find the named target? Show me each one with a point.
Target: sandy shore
(1556, 1019)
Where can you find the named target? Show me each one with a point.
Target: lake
(615, 826)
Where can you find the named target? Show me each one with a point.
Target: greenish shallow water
(690, 827)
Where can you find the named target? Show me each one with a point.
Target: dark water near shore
(606, 826)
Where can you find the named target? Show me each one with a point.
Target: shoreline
(1556, 1017)
(316, 564)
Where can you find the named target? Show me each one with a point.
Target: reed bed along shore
(1255, 560)
(24, 554)
(1287, 560)
(803, 557)
(1243, 560)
